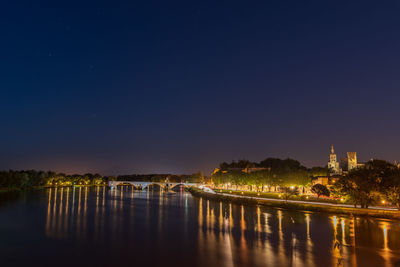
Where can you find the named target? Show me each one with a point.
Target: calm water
(100, 227)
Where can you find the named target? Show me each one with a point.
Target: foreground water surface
(121, 227)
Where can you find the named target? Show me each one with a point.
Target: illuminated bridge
(144, 185)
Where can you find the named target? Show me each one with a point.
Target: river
(121, 227)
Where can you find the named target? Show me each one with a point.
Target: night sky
(180, 86)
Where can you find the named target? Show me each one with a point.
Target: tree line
(270, 173)
(32, 178)
(25, 179)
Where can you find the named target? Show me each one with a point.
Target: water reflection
(217, 233)
(386, 253)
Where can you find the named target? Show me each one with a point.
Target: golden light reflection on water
(201, 212)
(160, 212)
(225, 237)
(103, 211)
(208, 215)
(281, 245)
(104, 196)
(352, 232)
(343, 232)
(243, 242)
(221, 218)
(308, 225)
(309, 243)
(61, 207)
(280, 225)
(48, 219)
(262, 236)
(231, 223)
(85, 214)
(242, 220)
(96, 220)
(78, 215)
(66, 212)
(258, 221)
(132, 204)
(386, 252)
(54, 217)
(290, 250)
(336, 245)
(60, 210)
(115, 198)
(385, 235)
(267, 227)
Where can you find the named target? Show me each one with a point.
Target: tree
(198, 177)
(289, 191)
(286, 172)
(241, 164)
(318, 171)
(281, 165)
(320, 190)
(23, 179)
(223, 166)
(363, 185)
(391, 187)
(258, 178)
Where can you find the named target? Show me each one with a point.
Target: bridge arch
(159, 185)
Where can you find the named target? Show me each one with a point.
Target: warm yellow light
(230, 191)
(292, 187)
(258, 194)
(242, 193)
(383, 201)
(341, 199)
(306, 197)
(279, 195)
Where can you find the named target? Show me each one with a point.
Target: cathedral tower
(351, 160)
(333, 164)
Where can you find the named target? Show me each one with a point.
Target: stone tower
(351, 160)
(333, 164)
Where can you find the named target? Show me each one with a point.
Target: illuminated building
(333, 164)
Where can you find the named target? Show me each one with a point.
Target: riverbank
(314, 207)
(277, 195)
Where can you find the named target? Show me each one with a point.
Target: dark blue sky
(179, 86)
